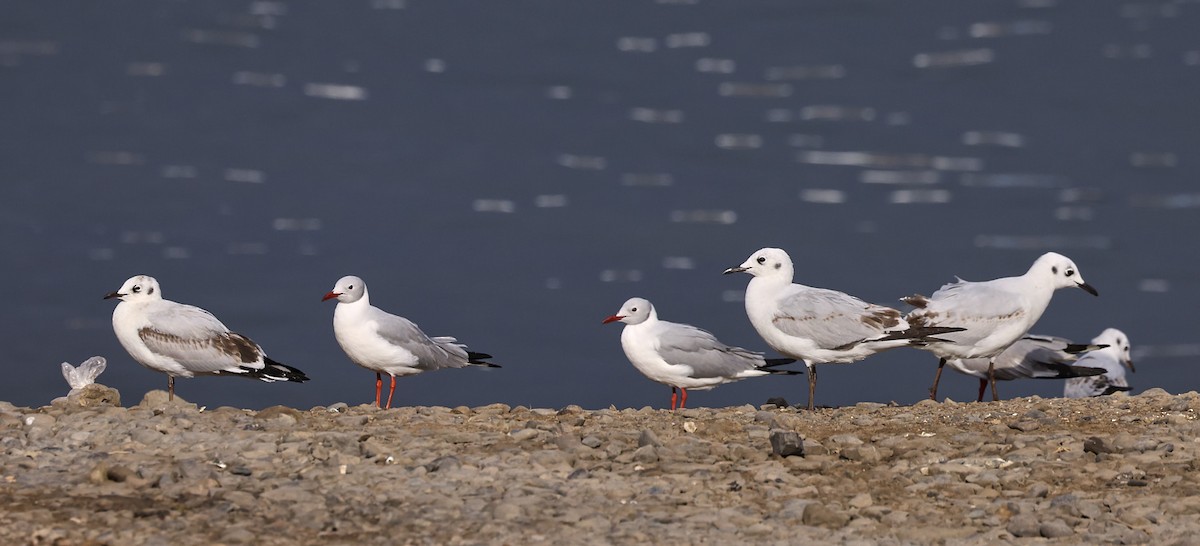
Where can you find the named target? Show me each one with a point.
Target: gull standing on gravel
(184, 341)
(1033, 356)
(684, 356)
(385, 343)
(995, 313)
(817, 325)
(1113, 359)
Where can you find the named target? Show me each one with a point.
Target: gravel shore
(1117, 469)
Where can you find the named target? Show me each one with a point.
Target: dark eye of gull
(1069, 272)
(762, 260)
(633, 309)
(350, 287)
(137, 289)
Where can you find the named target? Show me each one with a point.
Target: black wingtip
(276, 371)
(479, 359)
(782, 372)
(772, 362)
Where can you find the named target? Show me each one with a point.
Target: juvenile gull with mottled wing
(995, 313)
(818, 325)
(184, 341)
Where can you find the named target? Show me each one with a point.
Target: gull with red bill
(684, 356)
(385, 343)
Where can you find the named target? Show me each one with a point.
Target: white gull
(385, 343)
(818, 325)
(684, 356)
(1113, 359)
(995, 313)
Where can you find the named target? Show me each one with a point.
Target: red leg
(672, 398)
(937, 377)
(684, 400)
(391, 392)
(982, 386)
(378, 387)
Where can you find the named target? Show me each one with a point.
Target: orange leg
(982, 386)
(673, 394)
(378, 387)
(391, 392)
(684, 400)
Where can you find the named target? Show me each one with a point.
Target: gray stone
(648, 438)
(646, 454)
(1056, 529)
(591, 441)
(1024, 525)
(819, 515)
(786, 443)
(94, 396)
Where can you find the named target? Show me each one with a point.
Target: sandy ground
(1116, 469)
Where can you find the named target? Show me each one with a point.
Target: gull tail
(919, 336)
(1112, 389)
(273, 371)
(1078, 348)
(1066, 371)
(772, 362)
(782, 372)
(479, 359)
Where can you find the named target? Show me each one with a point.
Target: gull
(684, 356)
(817, 325)
(1113, 359)
(1033, 356)
(385, 343)
(995, 313)
(184, 341)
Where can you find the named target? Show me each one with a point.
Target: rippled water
(511, 172)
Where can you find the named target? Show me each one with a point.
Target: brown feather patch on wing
(916, 300)
(881, 317)
(230, 343)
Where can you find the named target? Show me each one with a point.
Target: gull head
(348, 289)
(635, 311)
(1063, 272)
(767, 262)
(137, 288)
(1117, 342)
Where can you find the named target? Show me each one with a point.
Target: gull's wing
(198, 341)
(832, 319)
(978, 307)
(432, 354)
(683, 344)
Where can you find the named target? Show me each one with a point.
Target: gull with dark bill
(995, 313)
(1113, 359)
(817, 325)
(1031, 357)
(184, 341)
(684, 356)
(385, 343)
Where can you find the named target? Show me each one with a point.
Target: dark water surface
(510, 172)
